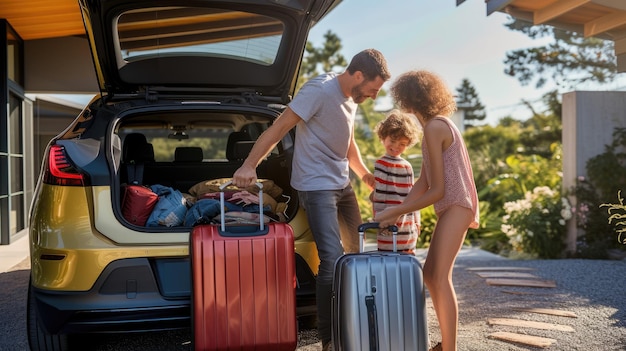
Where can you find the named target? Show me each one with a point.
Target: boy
(394, 179)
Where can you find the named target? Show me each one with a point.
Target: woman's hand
(385, 218)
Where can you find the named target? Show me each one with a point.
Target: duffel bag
(138, 202)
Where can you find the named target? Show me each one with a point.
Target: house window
(15, 54)
(13, 122)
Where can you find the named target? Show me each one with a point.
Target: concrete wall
(59, 66)
(589, 119)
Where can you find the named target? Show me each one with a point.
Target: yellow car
(186, 88)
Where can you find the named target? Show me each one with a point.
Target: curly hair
(397, 125)
(423, 92)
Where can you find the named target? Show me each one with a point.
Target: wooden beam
(497, 5)
(620, 46)
(506, 275)
(547, 311)
(513, 322)
(530, 340)
(605, 23)
(521, 282)
(501, 268)
(557, 9)
(620, 54)
(621, 63)
(614, 4)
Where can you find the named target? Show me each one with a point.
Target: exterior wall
(59, 65)
(589, 119)
(50, 116)
(458, 118)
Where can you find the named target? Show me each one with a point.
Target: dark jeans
(334, 218)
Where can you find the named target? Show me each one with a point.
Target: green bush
(535, 224)
(489, 235)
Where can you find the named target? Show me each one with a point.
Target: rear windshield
(163, 31)
(212, 138)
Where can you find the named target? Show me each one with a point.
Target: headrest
(242, 150)
(233, 138)
(188, 154)
(136, 149)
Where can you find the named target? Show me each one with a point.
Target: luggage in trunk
(243, 287)
(138, 201)
(379, 301)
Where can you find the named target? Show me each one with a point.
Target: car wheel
(38, 338)
(308, 322)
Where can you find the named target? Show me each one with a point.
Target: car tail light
(60, 170)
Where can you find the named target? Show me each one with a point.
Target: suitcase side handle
(222, 220)
(372, 322)
(371, 225)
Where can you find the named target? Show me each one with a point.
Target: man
(324, 152)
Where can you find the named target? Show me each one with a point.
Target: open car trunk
(184, 155)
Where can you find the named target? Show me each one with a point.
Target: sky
(454, 42)
(436, 35)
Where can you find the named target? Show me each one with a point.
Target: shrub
(617, 216)
(535, 224)
(489, 235)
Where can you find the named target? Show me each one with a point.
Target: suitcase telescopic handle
(222, 208)
(371, 225)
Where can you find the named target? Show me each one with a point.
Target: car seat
(136, 151)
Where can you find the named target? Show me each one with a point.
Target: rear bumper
(139, 294)
(136, 294)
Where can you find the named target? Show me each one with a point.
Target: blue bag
(203, 211)
(171, 208)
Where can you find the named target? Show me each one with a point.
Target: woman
(446, 181)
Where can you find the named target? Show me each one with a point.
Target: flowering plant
(535, 224)
(617, 217)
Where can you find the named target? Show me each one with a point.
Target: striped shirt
(394, 181)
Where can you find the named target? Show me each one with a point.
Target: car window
(212, 141)
(164, 31)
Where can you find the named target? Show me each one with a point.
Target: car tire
(38, 338)
(308, 322)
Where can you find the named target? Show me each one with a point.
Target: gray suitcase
(378, 301)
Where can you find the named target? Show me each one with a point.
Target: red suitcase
(243, 285)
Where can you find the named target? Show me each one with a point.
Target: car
(186, 88)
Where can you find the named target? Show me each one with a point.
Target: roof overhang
(604, 19)
(42, 19)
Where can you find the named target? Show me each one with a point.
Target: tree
(570, 60)
(328, 57)
(468, 101)
(542, 129)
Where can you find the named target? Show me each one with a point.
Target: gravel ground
(591, 289)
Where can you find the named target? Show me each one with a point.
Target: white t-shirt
(320, 159)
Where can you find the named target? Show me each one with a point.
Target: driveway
(585, 310)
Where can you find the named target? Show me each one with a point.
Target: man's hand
(369, 180)
(244, 176)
